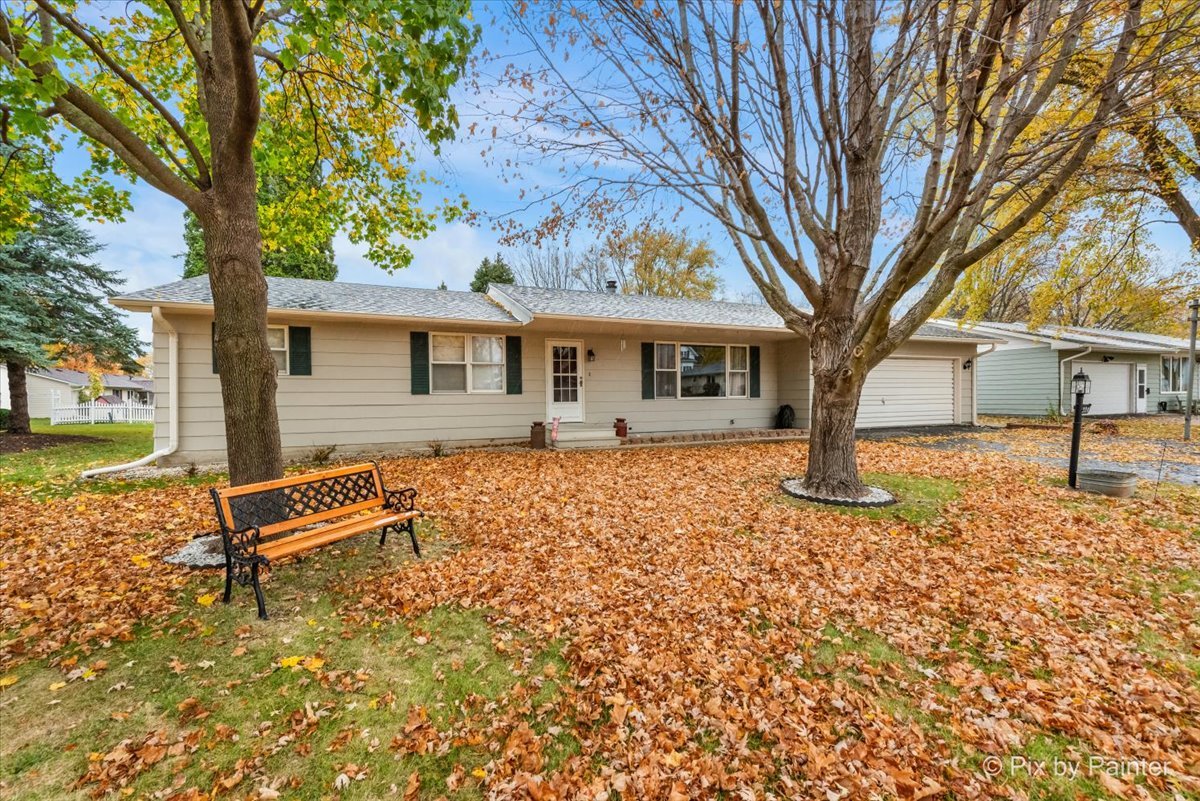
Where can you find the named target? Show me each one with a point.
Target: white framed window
(470, 363)
(277, 340)
(687, 370)
(666, 370)
(1174, 370)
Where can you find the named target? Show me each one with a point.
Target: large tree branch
(203, 179)
(87, 114)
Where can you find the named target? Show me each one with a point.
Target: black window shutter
(512, 365)
(755, 381)
(647, 371)
(214, 345)
(419, 361)
(299, 350)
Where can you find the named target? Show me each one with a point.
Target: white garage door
(1112, 387)
(908, 392)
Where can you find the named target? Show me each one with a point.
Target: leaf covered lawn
(662, 624)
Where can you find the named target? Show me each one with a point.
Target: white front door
(1141, 391)
(564, 380)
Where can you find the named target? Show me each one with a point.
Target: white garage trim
(911, 391)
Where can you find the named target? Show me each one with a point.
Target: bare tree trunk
(832, 466)
(233, 247)
(18, 417)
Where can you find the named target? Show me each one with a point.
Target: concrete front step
(587, 438)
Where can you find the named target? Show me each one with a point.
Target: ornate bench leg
(228, 575)
(258, 593)
(412, 535)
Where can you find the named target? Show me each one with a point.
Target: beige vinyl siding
(613, 388)
(42, 392)
(1018, 381)
(359, 395)
(795, 378)
(357, 398)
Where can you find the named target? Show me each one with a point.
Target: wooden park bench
(273, 519)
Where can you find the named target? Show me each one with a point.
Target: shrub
(322, 454)
(437, 448)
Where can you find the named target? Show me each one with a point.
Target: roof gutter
(1061, 407)
(172, 400)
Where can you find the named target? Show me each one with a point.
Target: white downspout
(1085, 352)
(172, 403)
(975, 383)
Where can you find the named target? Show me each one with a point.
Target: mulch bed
(18, 443)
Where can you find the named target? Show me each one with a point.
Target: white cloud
(450, 254)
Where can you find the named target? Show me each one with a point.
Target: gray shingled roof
(337, 296)
(606, 305)
(393, 301)
(1131, 341)
(611, 306)
(80, 378)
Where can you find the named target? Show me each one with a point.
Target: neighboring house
(1030, 374)
(376, 368)
(53, 386)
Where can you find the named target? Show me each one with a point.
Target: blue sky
(145, 247)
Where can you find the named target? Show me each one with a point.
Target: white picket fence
(101, 413)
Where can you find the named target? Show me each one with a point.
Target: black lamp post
(1081, 385)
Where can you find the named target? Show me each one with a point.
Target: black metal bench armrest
(243, 542)
(404, 500)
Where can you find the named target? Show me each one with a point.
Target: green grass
(236, 672)
(919, 498)
(55, 471)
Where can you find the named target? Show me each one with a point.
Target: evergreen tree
(304, 260)
(53, 293)
(492, 271)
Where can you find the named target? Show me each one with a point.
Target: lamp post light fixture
(1081, 385)
(1190, 373)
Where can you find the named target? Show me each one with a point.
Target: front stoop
(581, 438)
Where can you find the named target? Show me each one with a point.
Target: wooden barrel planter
(1113, 483)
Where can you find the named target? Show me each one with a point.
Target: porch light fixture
(591, 355)
(1107, 359)
(967, 364)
